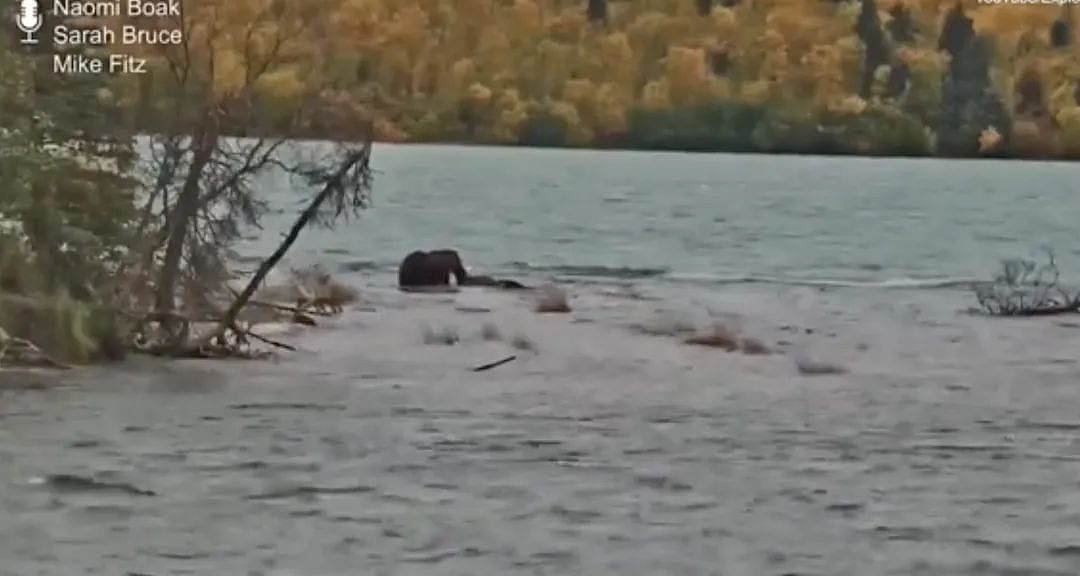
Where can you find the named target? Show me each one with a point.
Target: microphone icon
(29, 20)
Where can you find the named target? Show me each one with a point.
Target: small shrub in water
(1026, 288)
(446, 336)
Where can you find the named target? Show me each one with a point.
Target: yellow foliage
(283, 83)
(718, 89)
(506, 59)
(462, 74)
(1069, 121)
(723, 22)
(569, 26)
(618, 61)
(387, 131)
(989, 139)
(610, 111)
(511, 114)
(565, 111)
(578, 91)
(229, 72)
(657, 95)
(686, 74)
(478, 94)
(850, 105)
(494, 53)
(758, 92)
(527, 19)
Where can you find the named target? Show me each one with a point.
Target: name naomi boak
(112, 8)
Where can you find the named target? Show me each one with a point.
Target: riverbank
(617, 450)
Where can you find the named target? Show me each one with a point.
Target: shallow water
(606, 446)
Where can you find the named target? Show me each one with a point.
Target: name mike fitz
(83, 64)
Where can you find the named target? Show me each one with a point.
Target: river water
(950, 446)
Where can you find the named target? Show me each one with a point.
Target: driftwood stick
(496, 364)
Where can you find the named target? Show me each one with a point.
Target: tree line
(933, 77)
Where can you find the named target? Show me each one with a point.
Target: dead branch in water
(1024, 288)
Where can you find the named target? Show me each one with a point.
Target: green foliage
(789, 132)
(883, 130)
(66, 201)
(709, 127)
(544, 129)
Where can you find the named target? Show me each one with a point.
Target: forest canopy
(845, 76)
(913, 77)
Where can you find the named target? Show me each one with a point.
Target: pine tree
(868, 28)
(597, 10)
(970, 104)
(901, 25)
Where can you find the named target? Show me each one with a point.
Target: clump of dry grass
(664, 326)
(719, 336)
(809, 367)
(490, 332)
(552, 300)
(523, 343)
(754, 347)
(724, 338)
(445, 336)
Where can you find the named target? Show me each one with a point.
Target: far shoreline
(667, 151)
(645, 150)
(642, 150)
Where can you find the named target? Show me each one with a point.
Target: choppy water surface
(607, 446)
